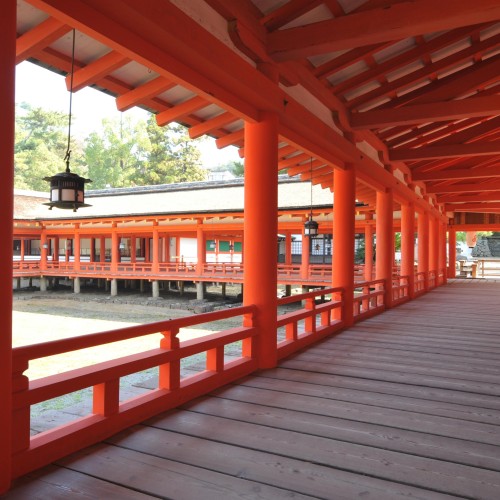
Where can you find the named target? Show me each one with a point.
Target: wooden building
(390, 104)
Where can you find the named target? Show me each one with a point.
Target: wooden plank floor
(405, 404)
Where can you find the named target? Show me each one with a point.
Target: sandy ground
(43, 320)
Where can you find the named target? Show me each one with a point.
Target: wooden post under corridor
(260, 229)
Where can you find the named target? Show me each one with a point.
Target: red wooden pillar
(102, 249)
(92, 249)
(156, 249)
(115, 250)
(55, 252)
(306, 252)
(442, 251)
(7, 100)
(133, 251)
(147, 249)
(343, 237)
(288, 249)
(200, 249)
(408, 245)
(434, 245)
(452, 253)
(261, 229)
(385, 242)
(76, 247)
(23, 249)
(368, 275)
(423, 247)
(43, 250)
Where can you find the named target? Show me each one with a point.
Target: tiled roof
(185, 198)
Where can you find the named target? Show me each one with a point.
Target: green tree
(171, 156)
(237, 168)
(41, 142)
(116, 154)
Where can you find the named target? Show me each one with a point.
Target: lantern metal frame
(67, 189)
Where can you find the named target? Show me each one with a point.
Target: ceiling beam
(232, 139)
(464, 188)
(423, 113)
(448, 151)
(458, 173)
(405, 58)
(93, 72)
(466, 207)
(178, 111)
(39, 37)
(425, 72)
(468, 198)
(210, 125)
(287, 13)
(379, 25)
(142, 92)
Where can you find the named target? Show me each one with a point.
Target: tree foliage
(41, 142)
(171, 156)
(116, 154)
(123, 153)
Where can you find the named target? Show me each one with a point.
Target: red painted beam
(39, 37)
(422, 113)
(138, 95)
(359, 29)
(96, 70)
(448, 151)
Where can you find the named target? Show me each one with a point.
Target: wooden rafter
(423, 113)
(448, 151)
(36, 39)
(358, 29)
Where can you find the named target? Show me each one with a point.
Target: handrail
(419, 284)
(312, 321)
(400, 289)
(109, 415)
(370, 299)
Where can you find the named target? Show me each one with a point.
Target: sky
(43, 88)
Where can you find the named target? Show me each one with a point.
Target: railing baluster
(170, 373)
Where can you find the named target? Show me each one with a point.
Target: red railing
(419, 286)
(368, 299)
(432, 279)
(311, 322)
(289, 270)
(109, 414)
(400, 289)
(21, 267)
(223, 269)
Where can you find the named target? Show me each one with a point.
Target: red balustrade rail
(20, 266)
(419, 283)
(432, 279)
(400, 289)
(368, 299)
(289, 270)
(109, 415)
(323, 271)
(223, 270)
(311, 322)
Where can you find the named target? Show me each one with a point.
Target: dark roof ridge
(180, 186)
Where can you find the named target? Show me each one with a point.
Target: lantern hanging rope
(311, 226)
(67, 190)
